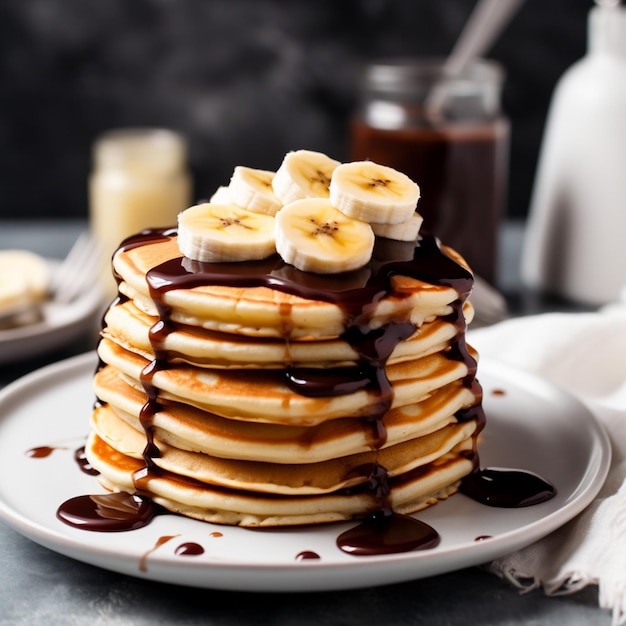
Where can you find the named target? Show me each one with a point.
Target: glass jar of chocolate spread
(449, 135)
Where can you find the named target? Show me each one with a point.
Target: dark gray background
(244, 80)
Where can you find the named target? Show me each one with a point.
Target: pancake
(264, 396)
(130, 327)
(408, 493)
(279, 478)
(262, 311)
(188, 428)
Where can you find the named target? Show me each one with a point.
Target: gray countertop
(38, 586)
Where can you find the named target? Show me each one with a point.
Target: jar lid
(410, 74)
(396, 91)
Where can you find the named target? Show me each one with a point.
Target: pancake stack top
(293, 353)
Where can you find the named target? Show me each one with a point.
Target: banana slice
(373, 193)
(221, 196)
(315, 237)
(24, 280)
(303, 174)
(218, 233)
(252, 189)
(404, 231)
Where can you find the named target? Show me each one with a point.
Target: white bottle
(575, 245)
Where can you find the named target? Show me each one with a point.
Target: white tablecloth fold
(584, 353)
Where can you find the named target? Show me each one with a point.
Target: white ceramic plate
(531, 425)
(59, 324)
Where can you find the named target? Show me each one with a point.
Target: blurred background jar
(449, 135)
(139, 180)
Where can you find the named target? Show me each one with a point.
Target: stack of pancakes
(258, 395)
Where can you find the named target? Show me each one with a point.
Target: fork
(78, 271)
(76, 274)
(490, 306)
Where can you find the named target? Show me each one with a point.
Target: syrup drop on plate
(110, 512)
(143, 562)
(388, 534)
(189, 549)
(40, 452)
(506, 488)
(307, 555)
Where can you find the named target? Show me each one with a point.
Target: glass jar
(139, 180)
(449, 135)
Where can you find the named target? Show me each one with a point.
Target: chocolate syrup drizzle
(357, 294)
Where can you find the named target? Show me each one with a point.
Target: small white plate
(530, 425)
(58, 325)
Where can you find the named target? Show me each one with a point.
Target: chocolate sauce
(111, 512)
(378, 486)
(189, 549)
(506, 488)
(41, 452)
(473, 413)
(147, 236)
(143, 567)
(385, 532)
(357, 293)
(317, 383)
(307, 555)
(388, 534)
(83, 463)
(147, 412)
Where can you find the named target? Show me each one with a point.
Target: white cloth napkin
(584, 353)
